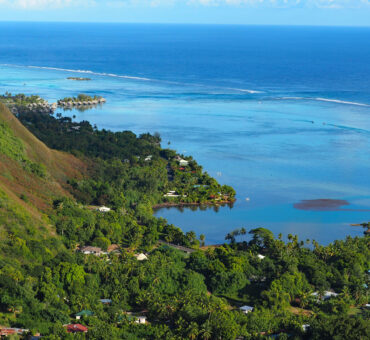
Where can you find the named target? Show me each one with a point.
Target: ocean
(280, 113)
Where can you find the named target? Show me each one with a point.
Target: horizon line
(178, 23)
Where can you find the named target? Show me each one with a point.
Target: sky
(245, 12)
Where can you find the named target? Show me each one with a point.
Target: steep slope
(31, 174)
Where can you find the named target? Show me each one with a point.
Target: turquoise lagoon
(280, 113)
(275, 152)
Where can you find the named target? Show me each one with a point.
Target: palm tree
(206, 331)
(202, 238)
(193, 330)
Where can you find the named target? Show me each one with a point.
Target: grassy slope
(16, 182)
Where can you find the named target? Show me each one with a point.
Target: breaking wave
(325, 100)
(81, 71)
(113, 75)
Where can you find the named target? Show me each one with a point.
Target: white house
(246, 309)
(261, 257)
(327, 294)
(183, 162)
(148, 158)
(141, 257)
(88, 250)
(103, 209)
(171, 193)
(305, 327)
(141, 319)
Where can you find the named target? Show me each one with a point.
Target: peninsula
(80, 100)
(20, 102)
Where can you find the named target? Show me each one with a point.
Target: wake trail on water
(325, 100)
(113, 75)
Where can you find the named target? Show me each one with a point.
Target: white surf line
(113, 75)
(79, 71)
(325, 100)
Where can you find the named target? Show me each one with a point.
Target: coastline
(184, 204)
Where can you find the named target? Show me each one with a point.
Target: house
(83, 313)
(106, 301)
(141, 319)
(246, 309)
(183, 162)
(136, 318)
(327, 295)
(141, 257)
(76, 328)
(11, 331)
(104, 209)
(114, 248)
(171, 193)
(148, 158)
(305, 327)
(261, 257)
(88, 250)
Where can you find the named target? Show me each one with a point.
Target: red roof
(75, 328)
(9, 331)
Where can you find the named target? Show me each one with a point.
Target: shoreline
(190, 204)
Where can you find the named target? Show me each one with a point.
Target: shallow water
(278, 139)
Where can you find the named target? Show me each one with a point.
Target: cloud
(55, 4)
(42, 4)
(285, 3)
(252, 3)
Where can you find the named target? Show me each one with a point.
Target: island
(79, 78)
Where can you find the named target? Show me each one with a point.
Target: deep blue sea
(280, 113)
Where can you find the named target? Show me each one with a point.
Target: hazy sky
(290, 12)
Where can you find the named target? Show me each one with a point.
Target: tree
(262, 238)
(202, 238)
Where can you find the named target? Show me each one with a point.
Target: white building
(171, 193)
(326, 295)
(141, 319)
(103, 209)
(246, 309)
(141, 257)
(305, 327)
(183, 162)
(89, 250)
(148, 158)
